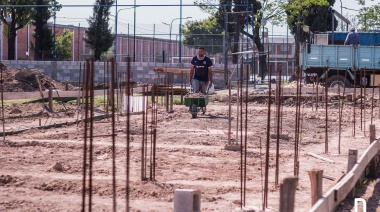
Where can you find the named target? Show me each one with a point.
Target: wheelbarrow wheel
(203, 110)
(194, 111)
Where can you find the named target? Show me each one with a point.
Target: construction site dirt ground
(41, 169)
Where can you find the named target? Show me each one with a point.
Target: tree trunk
(37, 43)
(11, 42)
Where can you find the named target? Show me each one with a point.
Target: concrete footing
(187, 200)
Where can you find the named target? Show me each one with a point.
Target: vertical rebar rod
(246, 132)
(91, 81)
(86, 91)
(104, 87)
(154, 105)
(2, 102)
(146, 132)
(79, 91)
(112, 98)
(364, 97)
(340, 118)
(172, 91)
(354, 99)
(361, 99)
(278, 130)
(326, 112)
(128, 131)
(182, 77)
(373, 94)
(229, 112)
(107, 88)
(296, 129)
(241, 138)
(237, 110)
(143, 139)
(316, 106)
(266, 181)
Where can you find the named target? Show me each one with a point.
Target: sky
(151, 18)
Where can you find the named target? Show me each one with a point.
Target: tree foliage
(64, 45)
(99, 36)
(44, 38)
(20, 16)
(206, 33)
(369, 18)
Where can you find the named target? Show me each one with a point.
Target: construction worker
(201, 71)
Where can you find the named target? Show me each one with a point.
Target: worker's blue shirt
(352, 39)
(201, 68)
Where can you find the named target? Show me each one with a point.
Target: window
(284, 48)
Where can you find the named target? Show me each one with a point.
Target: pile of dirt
(27, 80)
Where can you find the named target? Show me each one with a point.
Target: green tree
(272, 10)
(44, 39)
(99, 36)
(64, 45)
(205, 33)
(20, 16)
(369, 18)
(314, 13)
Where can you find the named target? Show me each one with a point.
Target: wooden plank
(331, 199)
(320, 157)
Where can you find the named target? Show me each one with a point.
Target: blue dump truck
(344, 65)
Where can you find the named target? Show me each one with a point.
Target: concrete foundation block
(187, 200)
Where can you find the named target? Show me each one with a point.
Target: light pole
(169, 40)
(263, 23)
(170, 33)
(115, 42)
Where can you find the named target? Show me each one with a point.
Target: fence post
(352, 160)
(50, 99)
(287, 194)
(316, 176)
(373, 163)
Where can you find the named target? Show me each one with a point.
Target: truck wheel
(336, 80)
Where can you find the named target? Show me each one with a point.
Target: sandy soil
(41, 170)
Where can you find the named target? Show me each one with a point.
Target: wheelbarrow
(197, 104)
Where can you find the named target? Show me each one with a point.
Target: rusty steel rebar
(246, 133)
(229, 112)
(296, 128)
(317, 102)
(128, 141)
(2, 102)
(143, 140)
(354, 99)
(278, 128)
(241, 137)
(84, 166)
(112, 95)
(182, 77)
(373, 94)
(326, 112)
(363, 101)
(266, 181)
